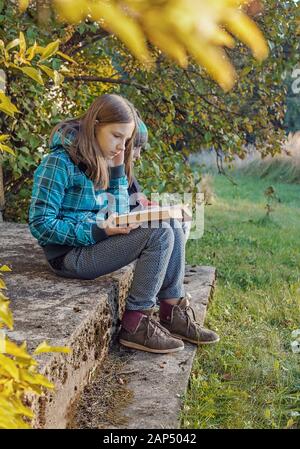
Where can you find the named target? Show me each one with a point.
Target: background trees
(182, 105)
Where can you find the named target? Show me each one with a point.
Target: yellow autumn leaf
(9, 422)
(35, 379)
(50, 50)
(290, 423)
(44, 347)
(12, 44)
(247, 31)
(58, 78)
(3, 137)
(267, 413)
(214, 60)
(7, 149)
(6, 315)
(6, 105)
(32, 51)
(10, 367)
(15, 350)
(124, 27)
(221, 37)
(7, 388)
(23, 5)
(34, 389)
(3, 297)
(32, 73)
(69, 12)
(67, 57)
(169, 45)
(20, 409)
(2, 284)
(9, 419)
(22, 43)
(47, 70)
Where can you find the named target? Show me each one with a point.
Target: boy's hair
(84, 148)
(141, 137)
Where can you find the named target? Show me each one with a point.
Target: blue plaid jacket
(65, 207)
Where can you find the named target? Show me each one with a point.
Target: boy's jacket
(65, 207)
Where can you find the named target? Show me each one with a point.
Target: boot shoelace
(184, 312)
(156, 327)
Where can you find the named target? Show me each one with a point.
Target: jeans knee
(165, 235)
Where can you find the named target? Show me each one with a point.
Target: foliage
(250, 379)
(179, 29)
(18, 371)
(184, 109)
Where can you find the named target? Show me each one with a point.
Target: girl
(140, 143)
(89, 165)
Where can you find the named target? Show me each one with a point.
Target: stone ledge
(84, 316)
(156, 383)
(80, 314)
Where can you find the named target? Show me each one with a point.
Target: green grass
(279, 169)
(251, 378)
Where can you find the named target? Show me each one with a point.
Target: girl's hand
(119, 230)
(110, 229)
(118, 159)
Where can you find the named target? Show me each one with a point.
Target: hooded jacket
(65, 210)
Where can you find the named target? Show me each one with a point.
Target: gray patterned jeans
(160, 266)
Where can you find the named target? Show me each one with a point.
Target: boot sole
(196, 342)
(131, 345)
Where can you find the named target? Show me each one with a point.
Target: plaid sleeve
(51, 179)
(118, 189)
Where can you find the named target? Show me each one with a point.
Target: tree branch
(100, 79)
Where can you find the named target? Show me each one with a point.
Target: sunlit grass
(251, 378)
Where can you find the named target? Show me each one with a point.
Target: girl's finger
(135, 226)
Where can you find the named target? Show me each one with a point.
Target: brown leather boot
(181, 324)
(140, 331)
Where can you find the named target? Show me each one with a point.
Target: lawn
(251, 378)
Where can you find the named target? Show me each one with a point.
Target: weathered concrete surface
(158, 382)
(84, 316)
(65, 312)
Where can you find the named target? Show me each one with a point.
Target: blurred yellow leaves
(18, 374)
(179, 28)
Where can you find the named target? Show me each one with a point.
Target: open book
(180, 212)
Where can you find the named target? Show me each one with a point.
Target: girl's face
(112, 138)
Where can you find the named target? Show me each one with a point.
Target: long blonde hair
(84, 148)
